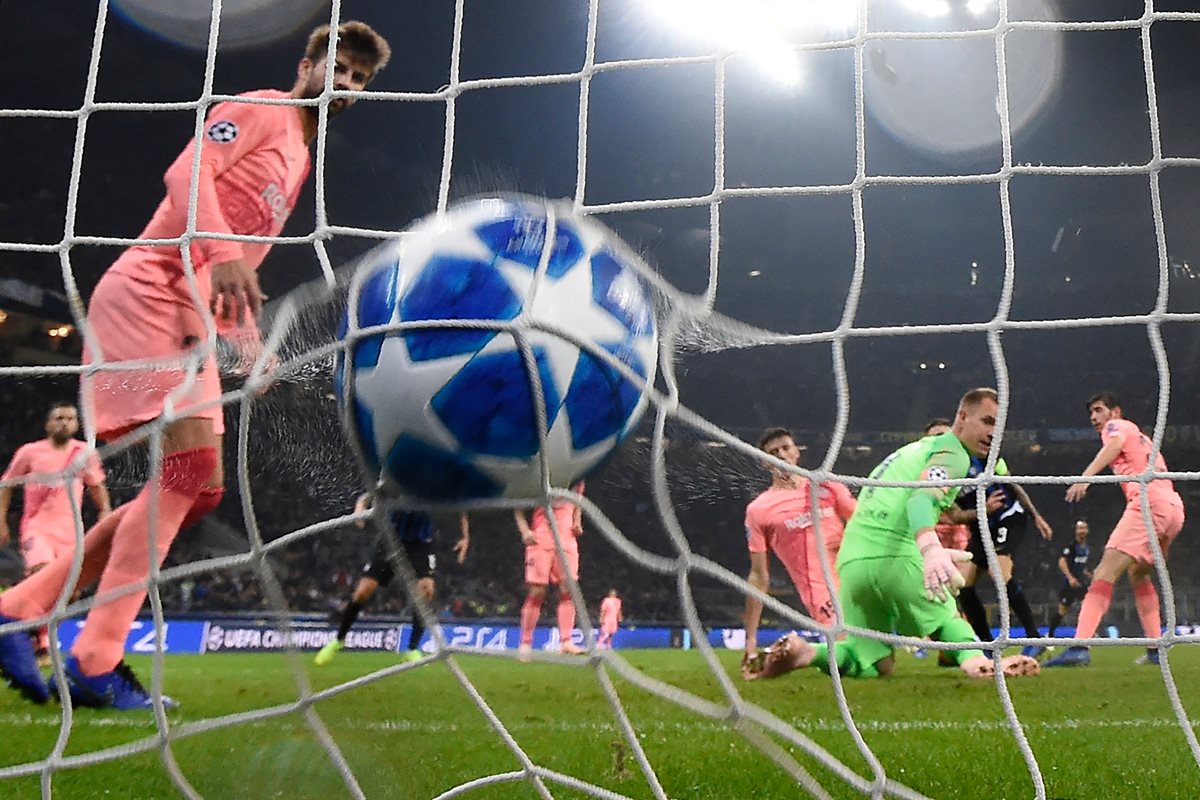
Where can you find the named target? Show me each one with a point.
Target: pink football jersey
(564, 515)
(781, 520)
(610, 609)
(47, 504)
(1133, 460)
(253, 162)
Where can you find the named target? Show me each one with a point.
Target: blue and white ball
(450, 413)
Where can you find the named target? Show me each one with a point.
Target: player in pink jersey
(48, 520)
(543, 567)
(253, 158)
(781, 520)
(610, 618)
(1127, 450)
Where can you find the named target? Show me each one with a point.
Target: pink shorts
(39, 548)
(608, 627)
(542, 566)
(131, 321)
(1130, 537)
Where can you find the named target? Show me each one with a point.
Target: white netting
(299, 334)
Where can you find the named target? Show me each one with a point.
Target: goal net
(854, 212)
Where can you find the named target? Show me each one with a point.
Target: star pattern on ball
(557, 302)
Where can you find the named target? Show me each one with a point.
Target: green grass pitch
(1107, 731)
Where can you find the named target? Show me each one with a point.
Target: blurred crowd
(310, 480)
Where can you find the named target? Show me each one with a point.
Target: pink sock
(1146, 598)
(38, 593)
(1095, 603)
(529, 617)
(566, 617)
(101, 644)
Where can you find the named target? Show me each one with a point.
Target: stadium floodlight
(930, 8)
(766, 31)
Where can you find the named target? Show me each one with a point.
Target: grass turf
(1105, 731)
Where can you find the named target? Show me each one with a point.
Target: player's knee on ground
(886, 666)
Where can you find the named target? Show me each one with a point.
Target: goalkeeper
(895, 575)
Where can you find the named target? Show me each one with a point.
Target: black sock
(1055, 621)
(1019, 604)
(975, 613)
(418, 630)
(349, 615)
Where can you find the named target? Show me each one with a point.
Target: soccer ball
(447, 410)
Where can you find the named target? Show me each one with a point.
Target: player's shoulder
(250, 111)
(29, 450)
(761, 502)
(834, 488)
(1121, 427)
(948, 448)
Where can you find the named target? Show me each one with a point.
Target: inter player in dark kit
(1076, 576)
(414, 533)
(1009, 510)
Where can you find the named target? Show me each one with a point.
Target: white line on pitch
(423, 727)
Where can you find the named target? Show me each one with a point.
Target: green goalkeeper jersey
(888, 517)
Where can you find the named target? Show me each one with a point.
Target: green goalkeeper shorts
(888, 595)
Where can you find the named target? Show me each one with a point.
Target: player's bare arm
(527, 536)
(1042, 525)
(464, 537)
(1066, 571)
(6, 494)
(1108, 453)
(360, 506)
(99, 495)
(760, 579)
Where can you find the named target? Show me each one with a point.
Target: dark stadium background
(1084, 246)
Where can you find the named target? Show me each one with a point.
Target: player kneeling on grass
(896, 577)
(414, 532)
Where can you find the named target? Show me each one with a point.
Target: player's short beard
(311, 92)
(60, 437)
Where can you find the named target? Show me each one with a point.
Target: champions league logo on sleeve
(222, 132)
(936, 474)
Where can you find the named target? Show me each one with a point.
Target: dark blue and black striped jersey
(412, 526)
(1077, 556)
(968, 495)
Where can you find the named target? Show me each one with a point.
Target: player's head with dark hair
(937, 425)
(361, 53)
(612, 592)
(357, 40)
(62, 421)
(976, 419)
(1102, 407)
(1081, 529)
(780, 443)
(1109, 399)
(771, 434)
